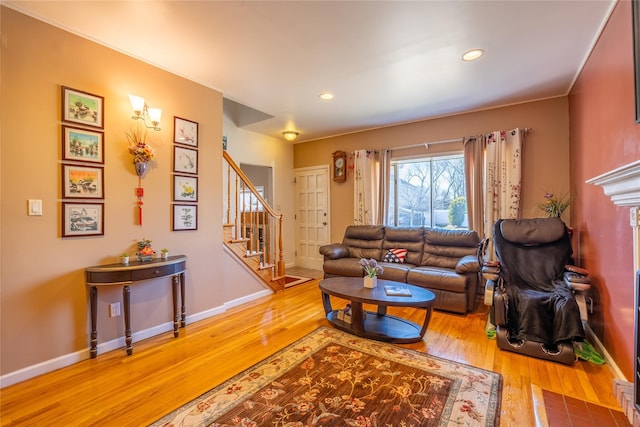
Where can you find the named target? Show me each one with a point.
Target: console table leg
(183, 312)
(176, 317)
(93, 297)
(126, 293)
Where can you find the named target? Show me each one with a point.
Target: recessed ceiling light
(472, 55)
(326, 96)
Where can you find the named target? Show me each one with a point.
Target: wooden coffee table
(377, 325)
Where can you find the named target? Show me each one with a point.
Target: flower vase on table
(370, 282)
(371, 271)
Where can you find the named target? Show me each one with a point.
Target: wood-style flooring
(164, 373)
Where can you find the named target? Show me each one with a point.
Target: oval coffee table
(377, 325)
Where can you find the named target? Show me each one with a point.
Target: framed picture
(185, 217)
(185, 132)
(82, 219)
(185, 160)
(82, 145)
(185, 188)
(82, 107)
(635, 11)
(82, 182)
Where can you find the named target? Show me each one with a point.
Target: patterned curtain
(366, 187)
(502, 176)
(493, 169)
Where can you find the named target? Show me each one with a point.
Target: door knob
(324, 223)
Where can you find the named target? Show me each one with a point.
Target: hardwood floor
(163, 373)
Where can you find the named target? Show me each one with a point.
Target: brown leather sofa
(443, 261)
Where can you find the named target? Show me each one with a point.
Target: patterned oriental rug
(331, 378)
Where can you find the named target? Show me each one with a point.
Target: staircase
(253, 230)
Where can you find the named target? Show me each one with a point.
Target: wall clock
(339, 166)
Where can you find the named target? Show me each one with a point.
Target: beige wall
(545, 158)
(43, 297)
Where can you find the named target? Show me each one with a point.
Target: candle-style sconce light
(141, 111)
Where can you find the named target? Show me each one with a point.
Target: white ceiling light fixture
(290, 135)
(326, 96)
(472, 55)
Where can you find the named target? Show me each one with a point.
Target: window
(428, 191)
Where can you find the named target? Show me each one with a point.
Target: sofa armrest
(468, 264)
(334, 251)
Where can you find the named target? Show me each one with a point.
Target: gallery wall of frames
(83, 162)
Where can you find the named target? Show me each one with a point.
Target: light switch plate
(35, 207)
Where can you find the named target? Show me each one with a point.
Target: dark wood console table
(125, 275)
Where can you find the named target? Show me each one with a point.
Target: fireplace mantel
(621, 184)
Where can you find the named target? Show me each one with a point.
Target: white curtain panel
(502, 177)
(366, 185)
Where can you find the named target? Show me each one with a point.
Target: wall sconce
(290, 135)
(144, 112)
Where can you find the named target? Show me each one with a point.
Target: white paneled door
(312, 215)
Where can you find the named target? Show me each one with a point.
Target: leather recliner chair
(534, 285)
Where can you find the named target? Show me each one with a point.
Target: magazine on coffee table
(397, 291)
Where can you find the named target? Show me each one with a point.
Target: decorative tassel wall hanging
(142, 154)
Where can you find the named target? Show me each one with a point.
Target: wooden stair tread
(238, 240)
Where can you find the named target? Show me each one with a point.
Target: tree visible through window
(428, 191)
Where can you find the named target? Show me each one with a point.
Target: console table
(127, 274)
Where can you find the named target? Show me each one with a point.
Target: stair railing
(253, 220)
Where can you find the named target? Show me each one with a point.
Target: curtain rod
(444, 141)
(425, 144)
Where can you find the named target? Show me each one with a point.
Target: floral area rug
(331, 378)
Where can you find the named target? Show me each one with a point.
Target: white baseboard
(78, 356)
(615, 370)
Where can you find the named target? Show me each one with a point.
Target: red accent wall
(604, 136)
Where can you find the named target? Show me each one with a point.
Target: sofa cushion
(437, 278)
(395, 272)
(395, 256)
(364, 241)
(444, 248)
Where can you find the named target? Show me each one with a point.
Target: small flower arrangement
(145, 253)
(371, 267)
(141, 151)
(555, 206)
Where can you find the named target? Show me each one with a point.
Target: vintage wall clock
(339, 166)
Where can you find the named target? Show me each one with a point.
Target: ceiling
(386, 62)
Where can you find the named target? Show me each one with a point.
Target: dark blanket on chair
(541, 307)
